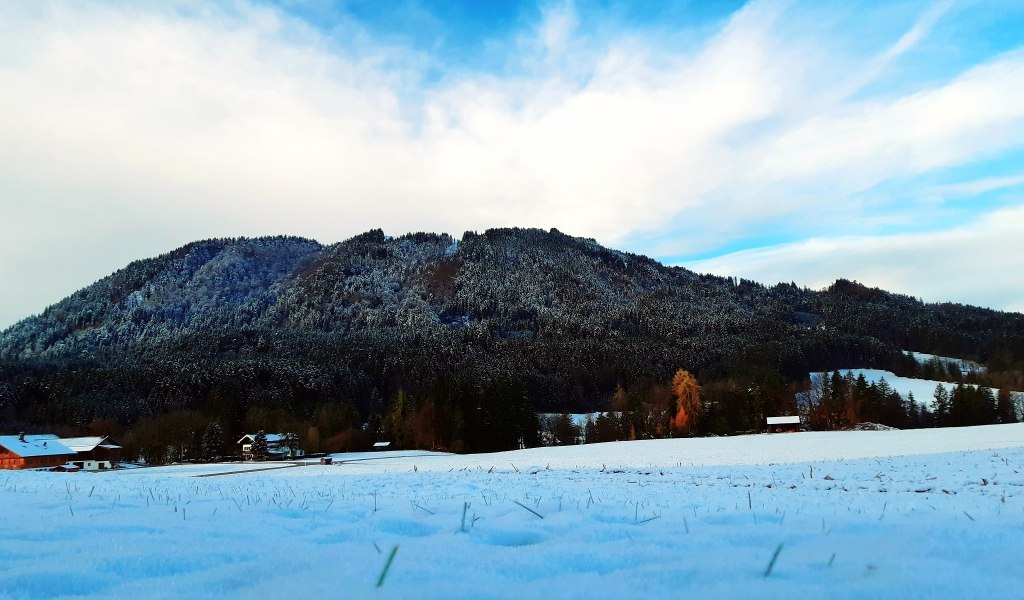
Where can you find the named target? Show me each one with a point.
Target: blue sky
(777, 141)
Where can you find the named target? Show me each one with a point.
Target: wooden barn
(96, 453)
(32, 452)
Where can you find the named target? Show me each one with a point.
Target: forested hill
(289, 324)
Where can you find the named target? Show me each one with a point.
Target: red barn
(32, 452)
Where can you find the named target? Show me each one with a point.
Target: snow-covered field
(900, 514)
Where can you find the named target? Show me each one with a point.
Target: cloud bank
(129, 129)
(976, 263)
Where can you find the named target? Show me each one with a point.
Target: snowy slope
(857, 514)
(923, 389)
(966, 366)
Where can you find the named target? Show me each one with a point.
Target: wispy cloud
(975, 263)
(976, 187)
(128, 129)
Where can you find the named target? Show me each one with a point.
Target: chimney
(21, 436)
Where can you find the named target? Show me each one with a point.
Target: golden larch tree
(688, 405)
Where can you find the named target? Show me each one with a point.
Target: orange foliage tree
(688, 404)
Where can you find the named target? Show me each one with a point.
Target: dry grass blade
(771, 563)
(387, 565)
(529, 509)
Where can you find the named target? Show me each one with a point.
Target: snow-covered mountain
(293, 323)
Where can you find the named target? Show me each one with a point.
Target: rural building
(32, 452)
(94, 453)
(781, 424)
(279, 446)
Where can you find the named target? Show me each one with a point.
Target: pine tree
(839, 398)
(259, 448)
(959, 406)
(913, 412)
(986, 410)
(563, 430)
(590, 434)
(213, 442)
(942, 406)
(398, 423)
(1005, 410)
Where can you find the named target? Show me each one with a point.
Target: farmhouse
(780, 424)
(94, 453)
(279, 446)
(32, 452)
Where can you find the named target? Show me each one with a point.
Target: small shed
(326, 460)
(32, 452)
(786, 424)
(381, 445)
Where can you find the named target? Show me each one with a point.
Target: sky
(770, 140)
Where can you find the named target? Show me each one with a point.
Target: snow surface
(907, 514)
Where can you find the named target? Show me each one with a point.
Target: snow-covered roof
(34, 446)
(794, 420)
(272, 438)
(85, 444)
(41, 436)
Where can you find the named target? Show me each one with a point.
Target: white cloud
(976, 187)
(862, 144)
(977, 263)
(557, 26)
(191, 122)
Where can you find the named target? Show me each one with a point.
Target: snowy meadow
(923, 513)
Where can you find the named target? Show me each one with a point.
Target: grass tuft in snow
(771, 563)
(387, 565)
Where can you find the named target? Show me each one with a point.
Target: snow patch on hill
(923, 389)
(965, 366)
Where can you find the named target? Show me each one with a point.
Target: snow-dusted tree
(213, 442)
(258, 450)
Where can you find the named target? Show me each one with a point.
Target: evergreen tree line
(840, 401)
